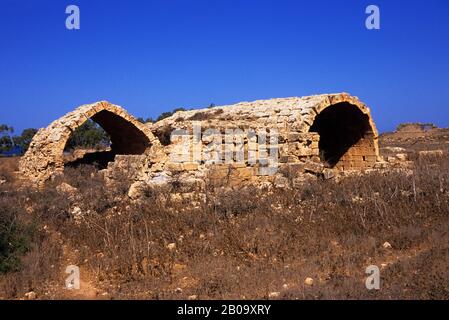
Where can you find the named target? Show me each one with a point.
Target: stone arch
(45, 156)
(348, 135)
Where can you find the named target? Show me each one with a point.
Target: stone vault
(315, 133)
(335, 130)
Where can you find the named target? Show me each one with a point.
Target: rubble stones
(66, 189)
(308, 281)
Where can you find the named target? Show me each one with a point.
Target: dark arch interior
(340, 127)
(125, 137)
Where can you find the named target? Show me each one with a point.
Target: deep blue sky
(153, 56)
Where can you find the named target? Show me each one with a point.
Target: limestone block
(219, 171)
(288, 159)
(190, 166)
(294, 136)
(328, 173)
(313, 167)
(246, 172)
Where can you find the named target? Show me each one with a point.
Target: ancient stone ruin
(45, 156)
(265, 141)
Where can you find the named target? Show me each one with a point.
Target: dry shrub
(202, 116)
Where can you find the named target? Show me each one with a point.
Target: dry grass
(7, 168)
(241, 244)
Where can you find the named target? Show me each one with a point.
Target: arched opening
(45, 156)
(346, 137)
(101, 138)
(89, 144)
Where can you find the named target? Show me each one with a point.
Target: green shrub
(15, 239)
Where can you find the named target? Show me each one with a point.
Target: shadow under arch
(346, 137)
(125, 138)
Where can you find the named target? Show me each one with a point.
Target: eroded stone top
(298, 112)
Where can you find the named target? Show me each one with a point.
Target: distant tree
(5, 129)
(164, 115)
(23, 141)
(167, 114)
(88, 135)
(6, 142)
(142, 120)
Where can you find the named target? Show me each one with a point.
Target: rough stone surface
(135, 190)
(431, 153)
(386, 245)
(44, 157)
(316, 136)
(31, 295)
(299, 140)
(66, 188)
(308, 281)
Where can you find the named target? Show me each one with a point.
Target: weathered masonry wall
(45, 156)
(314, 134)
(306, 135)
